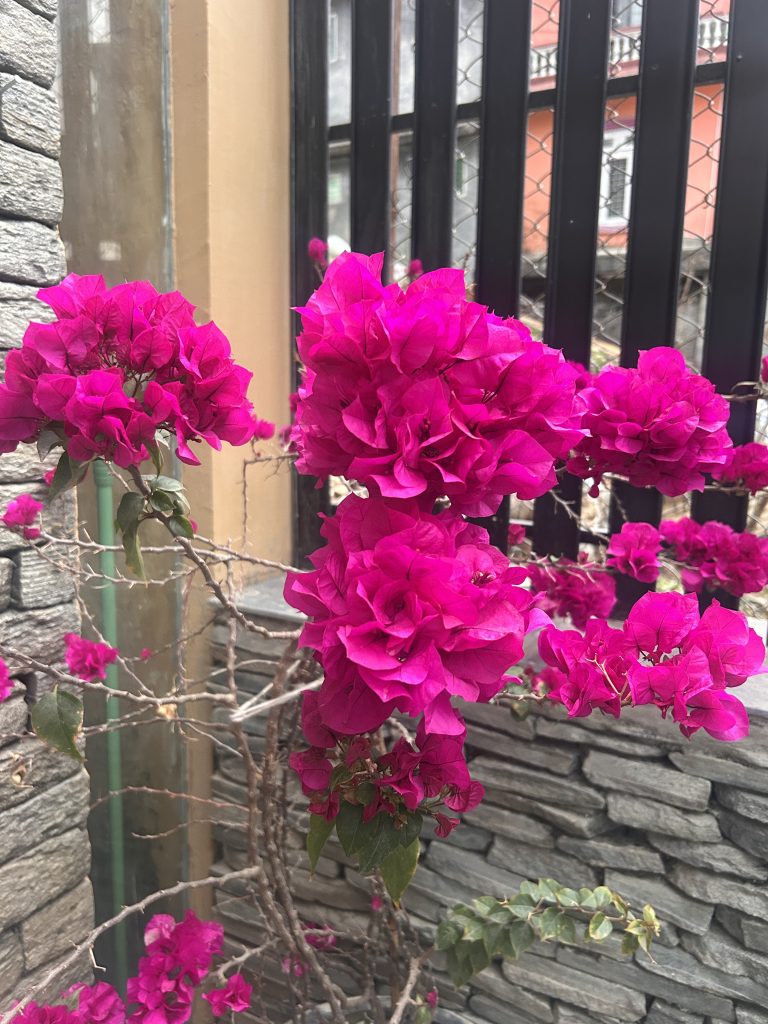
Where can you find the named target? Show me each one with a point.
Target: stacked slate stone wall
(681, 824)
(45, 897)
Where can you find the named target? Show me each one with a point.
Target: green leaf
(317, 837)
(161, 502)
(47, 441)
(566, 930)
(459, 967)
(478, 957)
(129, 511)
(448, 934)
(473, 930)
(521, 937)
(549, 922)
(629, 944)
(485, 905)
(596, 899)
(568, 897)
(164, 483)
(180, 526)
(549, 889)
(349, 827)
(398, 869)
(521, 905)
(380, 837)
(132, 548)
(412, 829)
(57, 718)
(157, 457)
(600, 927)
(423, 1015)
(68, 475)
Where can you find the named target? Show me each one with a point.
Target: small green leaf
(157, 457)
(566, 930)
(521, 937)
(423, 1015)
(600, 927)
(521, 905)
(68, 475)
(568, 897)
(485, 905)
(629, 944)
(549, 922)
(180, 526)
(398, 869)
(412, 829)
(164, 483)
(132, 548)
(448, 934)
(129, 511)
(47, 441)
(380, 837)
(349, 827)
(57, 719)
(317, 837)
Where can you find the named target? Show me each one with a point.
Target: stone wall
(681, 824)
(45, 897)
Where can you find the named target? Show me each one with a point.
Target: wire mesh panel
(461, 170)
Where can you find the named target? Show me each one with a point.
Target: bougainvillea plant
(433, 409)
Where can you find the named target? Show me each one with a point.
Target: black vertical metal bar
(503, 132)
(733, 334)
(371, 142)
(434, 144)
(668, 50)
(582, 58)
(309, 215)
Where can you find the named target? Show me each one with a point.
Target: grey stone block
(60, 925)
(53, 810)
(755, 934)
(13, 715)
(750, 835)
(489, 1010)
(81, 971)
(6, 579)
(27, 43)
(465, 837)
(27, 768)
(670, 904)
(47, 8)
(551, 757)
(749, 805)
(24, 464)
(643, 724)
(430, 893)
(485, 879)
(32, 880)
(677, 965)
(491, 983)
(12, 960)
(38, 584)
(29, 251)
(38, 634)
(748, 1015)
(717, 949)
(539, 785)
(570, 733)
(513, 826)
(648, 815)
(572, 986)
(664, 1013)
(718, 769)
(493, 716)
(538, 862)
(445, 1016)
(681, 987)
(704, 885)
(574, 822)
(723, 858)
(328, 892)
(647, 780)
(30, 185)
(612, 852)
(58, 517)
(18, 307)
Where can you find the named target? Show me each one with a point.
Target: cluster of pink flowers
(665, 654)
(745, 468)
(573, 588)
(117, 365)
(430, 777)
(659, 425)
(419, 393)
(711, 555)
(6, 683)
(407, 610)
(88, 659)
(178, 959)
(22, 514)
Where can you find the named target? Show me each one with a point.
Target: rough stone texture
(597, 801)
(29, 115)
(46, 905)
(53, 930)
(27, 43)
(38, 584)
(30, 185)
(651, 816)
(647, 780)
(30, 252)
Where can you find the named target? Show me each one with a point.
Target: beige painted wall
(231, 158)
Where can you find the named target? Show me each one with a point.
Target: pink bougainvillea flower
(666, 655)
(87, 658)
(6, 683)
(713, 556)
(145, 654)
(235, 995)
(118, 365)
(746, 467)
(569, 588)
(431, 998)
(764, 370)
(21, 514)
(421, 393)
(317, 250)
(313, 768)
(515, 535)
(660, 425)
(415, 269)
(98, 1004)
(406, 610)
(634, 551)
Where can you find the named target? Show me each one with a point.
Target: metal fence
(598, 168)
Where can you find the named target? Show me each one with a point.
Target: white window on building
(627, 14)
(616, 179)
(334, 47)
(99, 27)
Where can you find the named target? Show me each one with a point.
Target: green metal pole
(106, 530)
